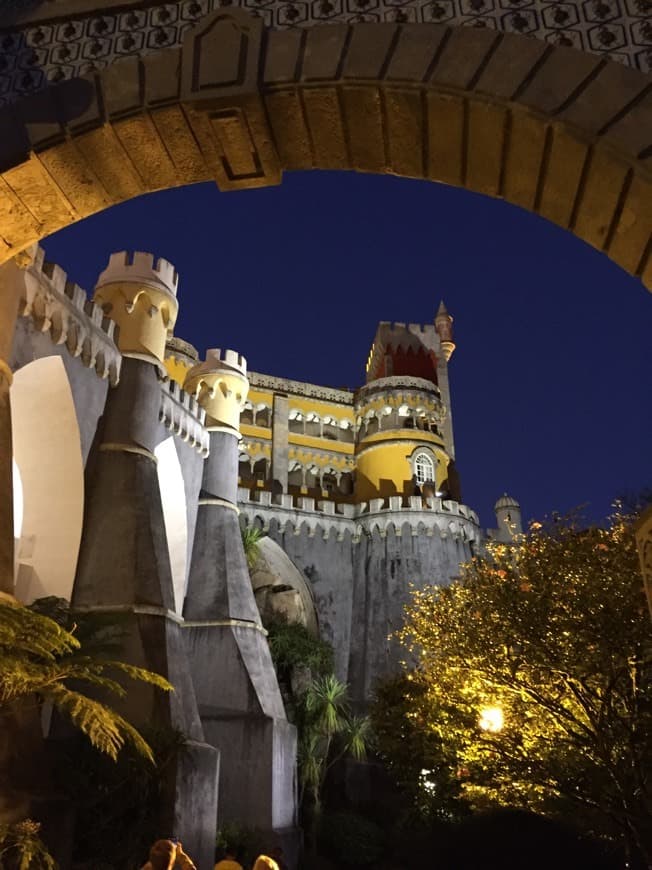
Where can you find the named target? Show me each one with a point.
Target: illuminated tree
(418, 761)
(535, 674)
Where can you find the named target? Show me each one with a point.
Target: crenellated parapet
(62, 309)
(182, 414)
(395, 340)
(302, 515)
(301, 388)
(400, 400)
(220, 385)
(139, 292)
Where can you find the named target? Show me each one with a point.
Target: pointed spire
(444, 327)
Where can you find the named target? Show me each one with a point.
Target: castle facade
(131, 495)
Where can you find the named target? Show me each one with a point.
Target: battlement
(140, 268)
(216, 357)
(404, 337)
(396, 384)
(182, 414)
(425, 516)
(391, 329)
(177, 348)
(300, 388)
(61, 308)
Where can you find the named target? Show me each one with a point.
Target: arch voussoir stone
(553, 130)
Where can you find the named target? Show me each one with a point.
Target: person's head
(264, 862)
(162, 855)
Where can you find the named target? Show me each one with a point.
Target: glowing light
(491, 719)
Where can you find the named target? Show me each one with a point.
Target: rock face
(282, 592)
(360, 584)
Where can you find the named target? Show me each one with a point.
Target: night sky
(550, 379)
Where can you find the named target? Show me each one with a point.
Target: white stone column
(280, 427)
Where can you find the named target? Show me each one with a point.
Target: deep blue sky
(550, 379)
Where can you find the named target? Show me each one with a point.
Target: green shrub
(351, 840)
(292, 645)
(246, 844)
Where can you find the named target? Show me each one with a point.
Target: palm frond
(357, 736)
(106, 729)
(251, 537)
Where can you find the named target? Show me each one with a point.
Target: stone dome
(280, 589)
(506, 501)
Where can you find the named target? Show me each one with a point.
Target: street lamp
(491, 719)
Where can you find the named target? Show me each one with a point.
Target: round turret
(140, 294)
(508, 518)
(400, 441)
(220, 385)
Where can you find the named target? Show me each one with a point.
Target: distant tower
(405, 441)
(508, 519)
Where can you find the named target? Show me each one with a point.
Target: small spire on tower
(444, 327)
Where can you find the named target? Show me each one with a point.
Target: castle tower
(124, 561)
(508, 519)
(402, 448)
(141, 296)
(233, 673)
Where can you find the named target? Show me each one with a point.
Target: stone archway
(557, 131)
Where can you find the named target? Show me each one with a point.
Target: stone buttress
(124, 564)
(237, 691)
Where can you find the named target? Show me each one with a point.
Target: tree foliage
(293, 646)
(41, 658)
(125, 796)
(328, 731)
(551, 636)
(419, 762)
(21, 847)
(251, 538)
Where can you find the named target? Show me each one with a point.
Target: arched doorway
(560, 132)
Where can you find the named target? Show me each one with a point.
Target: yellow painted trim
(176, 369)
(115, 447)
(256, 431)
(402, 435)
(260, 396)
(309, 404)
(295, 439)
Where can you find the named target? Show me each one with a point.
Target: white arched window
(424, 468)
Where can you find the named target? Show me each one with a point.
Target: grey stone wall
(88, 390)
(362, 586)
(385, 568)
(327, 564)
